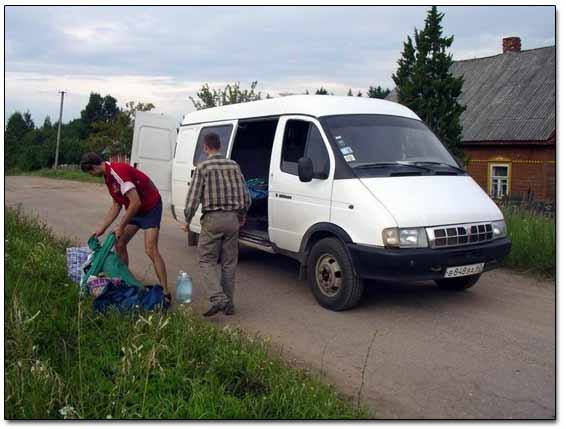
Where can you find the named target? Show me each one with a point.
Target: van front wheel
(458, 283)
(331, 275)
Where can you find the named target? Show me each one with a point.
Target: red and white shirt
(121, 178)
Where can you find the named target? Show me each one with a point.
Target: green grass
(61, 360)
(76, 175)
(533, 243)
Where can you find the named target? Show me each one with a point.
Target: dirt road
(485, 353)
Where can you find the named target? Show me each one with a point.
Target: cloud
(163, 54)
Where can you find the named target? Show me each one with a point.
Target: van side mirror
(305, 169)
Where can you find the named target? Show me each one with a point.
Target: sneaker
(229, 309)
(214, 308)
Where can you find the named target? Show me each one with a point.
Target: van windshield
(389, 142)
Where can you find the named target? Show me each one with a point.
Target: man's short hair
(212, 140)
(89, 160)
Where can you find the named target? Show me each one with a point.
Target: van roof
(312, 105)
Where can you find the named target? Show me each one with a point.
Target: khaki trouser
(218, 242)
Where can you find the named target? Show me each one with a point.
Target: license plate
(464, 270)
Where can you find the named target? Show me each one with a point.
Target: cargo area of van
(252, 151)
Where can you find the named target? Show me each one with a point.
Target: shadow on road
(377, 294)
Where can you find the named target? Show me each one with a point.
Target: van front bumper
(423, 264)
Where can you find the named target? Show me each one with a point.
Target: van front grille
(459, 235)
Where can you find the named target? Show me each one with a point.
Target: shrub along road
(485, 353)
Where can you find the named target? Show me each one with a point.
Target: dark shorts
(151, 219)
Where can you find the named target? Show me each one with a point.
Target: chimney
(511, 44)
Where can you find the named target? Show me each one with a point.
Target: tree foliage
(230, 94)
(108, 129)
(322, 91)
(115, 135)
(425, 84)
(378, 92)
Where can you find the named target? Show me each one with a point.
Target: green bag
(104, 260)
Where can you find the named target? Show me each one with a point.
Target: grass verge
(63, 361)
(76, 175)
(534, 242)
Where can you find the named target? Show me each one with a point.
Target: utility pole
(59, 130)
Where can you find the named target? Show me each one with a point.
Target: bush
(533, 242)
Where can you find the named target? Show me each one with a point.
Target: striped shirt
(218, 184)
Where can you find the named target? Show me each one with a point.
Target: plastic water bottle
(184, 288)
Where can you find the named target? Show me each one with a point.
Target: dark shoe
(229, 309)
(215, 308)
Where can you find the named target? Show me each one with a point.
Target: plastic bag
(105, 260)
(76, 259)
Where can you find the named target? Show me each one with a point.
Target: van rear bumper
(423, 264)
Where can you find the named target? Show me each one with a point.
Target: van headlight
(405, 237)
(499, 229)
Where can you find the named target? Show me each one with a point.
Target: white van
(353, 188)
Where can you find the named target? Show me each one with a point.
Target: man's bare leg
(121, 245)
(151, 238)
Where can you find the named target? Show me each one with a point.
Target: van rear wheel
(331, 275)
(458, 283)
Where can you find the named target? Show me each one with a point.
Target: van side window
(223, 131)
(302, 138)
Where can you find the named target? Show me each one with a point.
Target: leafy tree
(17, 127)
(359, 94)
(350, 93)
(307, 92)
(378, 92)
(47, 122)
(28, 121)
(425, 84)
(321, 91)
(98, 109)
(116, 135)
(230, 94)
(109, 108)
(132, 107)
(93, 111)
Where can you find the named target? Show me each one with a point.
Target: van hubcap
(328, 275)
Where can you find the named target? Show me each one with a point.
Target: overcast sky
(164, 54)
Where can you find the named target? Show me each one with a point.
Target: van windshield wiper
(444, 164)
(391, 164)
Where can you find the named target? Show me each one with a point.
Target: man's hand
(98, 232)
(185, 227)
(118, 232)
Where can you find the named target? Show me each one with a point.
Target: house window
(499, 174)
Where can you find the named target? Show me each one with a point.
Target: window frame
(490, 176)
(206, 128)
(311, 124)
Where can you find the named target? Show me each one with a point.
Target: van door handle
(192, 173)
(287, 197)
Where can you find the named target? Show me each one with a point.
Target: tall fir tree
(377, 92)
(425, 84)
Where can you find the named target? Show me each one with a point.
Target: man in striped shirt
(218, 184)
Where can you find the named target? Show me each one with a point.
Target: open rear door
(153, 149)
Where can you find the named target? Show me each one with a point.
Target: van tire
(332, 256)
(458, 283)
